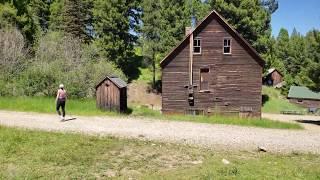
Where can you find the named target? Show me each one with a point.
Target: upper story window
(197, 46)
(227, 46)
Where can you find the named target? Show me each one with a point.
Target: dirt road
(310, 123)
(206, 135)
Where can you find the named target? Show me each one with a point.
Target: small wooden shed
(111, 94)
(303, 96)
(273, 78)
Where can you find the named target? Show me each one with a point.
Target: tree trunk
(154, 71)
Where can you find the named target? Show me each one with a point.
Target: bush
(60, 59)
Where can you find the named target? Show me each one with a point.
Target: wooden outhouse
(111, 94)
(273, 78)
(212, 70)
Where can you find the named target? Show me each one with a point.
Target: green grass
(216, 119)
(147, 75)
(277, 102)
(87, 107)
(26, 154)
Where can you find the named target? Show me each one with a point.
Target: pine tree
(313, 49)
(282, 47)
(114, 25)
(72, 17)
(151, 33)
(297, 54)
(250, 18)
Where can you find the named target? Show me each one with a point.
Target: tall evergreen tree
(282, 47)
(271, 57)
(250, 18)
(151, 33)
(313, 49)
(115, 24)
(72, 17)
(297, 54)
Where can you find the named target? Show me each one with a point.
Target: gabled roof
(301, 92)
(117, 81)
(272, 70)
(228, 27)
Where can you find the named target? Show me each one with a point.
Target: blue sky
(301, 14)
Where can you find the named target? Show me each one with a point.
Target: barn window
(204, 79)
(197, 46)
(226, 46)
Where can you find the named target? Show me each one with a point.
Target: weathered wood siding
(276, 77)
(108, 96)
(235, 80)
(307, 103)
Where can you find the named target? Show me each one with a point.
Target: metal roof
(301, 92)
(117, 81)
(269, 71)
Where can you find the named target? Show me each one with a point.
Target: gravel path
(206, 135)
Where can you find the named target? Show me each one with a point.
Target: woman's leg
(58, 107)
(63, 104)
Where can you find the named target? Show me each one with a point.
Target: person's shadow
(69, 119)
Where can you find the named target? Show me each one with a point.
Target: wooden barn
(212, 70)
(111, 94)
(273, 78)
(304, 97)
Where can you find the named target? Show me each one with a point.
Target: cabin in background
(111, 94)
(273, 78)
(213, 70)
(304, 97)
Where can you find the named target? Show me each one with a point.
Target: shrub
(62, 59)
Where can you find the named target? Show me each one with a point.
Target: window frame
(200, 84)
(197, 39)
(230, 45)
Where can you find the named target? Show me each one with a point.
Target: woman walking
(61, 101)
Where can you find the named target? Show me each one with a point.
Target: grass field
(87, 107)
(26, 154)
(277, 102)
(216, 119)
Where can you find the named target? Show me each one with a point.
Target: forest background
(78, 42)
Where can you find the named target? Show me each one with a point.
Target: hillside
(275, 102)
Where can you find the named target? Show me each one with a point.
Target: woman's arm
(57, 96)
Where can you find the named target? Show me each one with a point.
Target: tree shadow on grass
(265, 98)
(314, 122)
